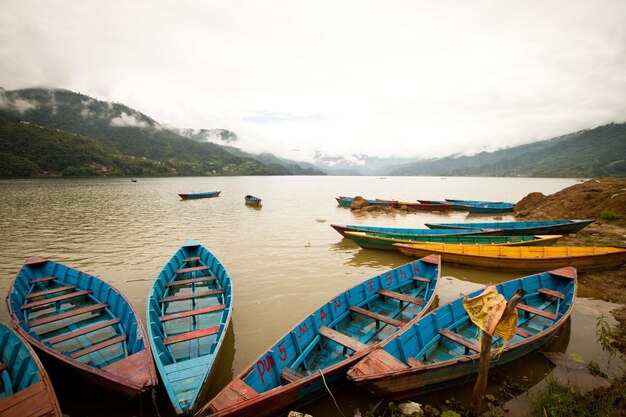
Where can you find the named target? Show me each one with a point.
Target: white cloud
(400, 78)
(127, 120)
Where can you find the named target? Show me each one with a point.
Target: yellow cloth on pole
(486, 310)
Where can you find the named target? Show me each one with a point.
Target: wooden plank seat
(536, 311)
(414, 363)
(401, 297)
(522, 332)
(98, 346)
(376, 316)
(82, 331)
(72, 313)
(290, 375)
(43, 279)
(341, 338)
(547, 291)
(191, 313)
(192, 269)
(459, 339)
(421, 279)
(181, 282)
(48, 292)
(195, 334)
(198, 294)
(55, 299)
(192, 259)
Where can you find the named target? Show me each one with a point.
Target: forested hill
(108, 134)
(588, 153)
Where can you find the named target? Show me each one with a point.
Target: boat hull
(31, 393)
(195, 196)
(522, 258)
(120, 361)
(252, 200)
(446, 375)
(189, 312)
(320, 342)
(342, 229)
(441, 349)
(552, 227)
(386, 241)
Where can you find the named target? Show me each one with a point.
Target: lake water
(284, 258)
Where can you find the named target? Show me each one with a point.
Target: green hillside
(588, 153)
(113, 129)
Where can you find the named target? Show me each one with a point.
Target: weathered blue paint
(194, 196)
(311, 357)
(341, 229)
(186, 366)
(25, 388)
(548, 227)
(45, 293)
(419, 358)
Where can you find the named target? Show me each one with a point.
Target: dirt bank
(601, 199)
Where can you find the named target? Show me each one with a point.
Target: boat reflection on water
(224, 371)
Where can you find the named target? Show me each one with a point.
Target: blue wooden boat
(386, 241)
(342, 229)
(486, 207)
(84, 324)
(441, 349)
(345, 201)
(194, 196)
(319, 350)
(25, 389)
(548, 227)
(189, 310)
(252, 200)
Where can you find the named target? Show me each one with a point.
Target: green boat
(385, 241)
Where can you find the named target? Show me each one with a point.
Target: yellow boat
(521, 258)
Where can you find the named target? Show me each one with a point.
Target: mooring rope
(331, 394)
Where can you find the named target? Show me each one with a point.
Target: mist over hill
(60, 132)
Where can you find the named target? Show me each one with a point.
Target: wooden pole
(485, 355)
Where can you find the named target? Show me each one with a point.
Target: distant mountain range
(51, 132)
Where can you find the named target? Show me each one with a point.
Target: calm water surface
(284, 258)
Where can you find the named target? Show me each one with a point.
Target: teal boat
(549, 227)
(386, 241)
(195, 196)
(25, 388)
(342, 229)
(442, 348)
(84, 325)
(189, 310)
(317, 352)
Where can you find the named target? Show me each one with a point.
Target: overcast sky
(387, 78)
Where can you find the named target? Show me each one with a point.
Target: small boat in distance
(317, 352)
(548, 227)
(26, 390)
(441, 349)
(521, 258)
(84, 324)
(344, 201)
(386, 241)
(194, 196)
(252, 200)
(189, 310)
